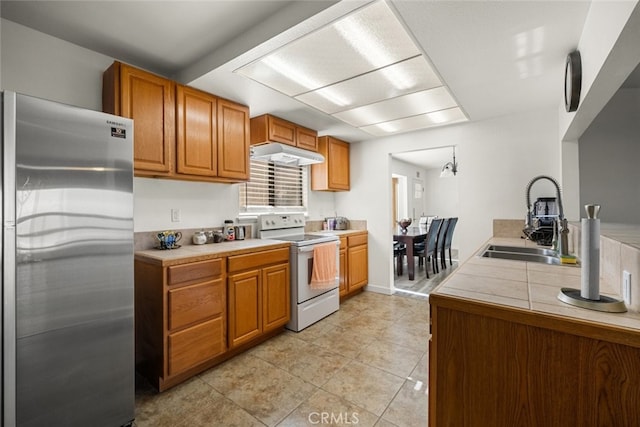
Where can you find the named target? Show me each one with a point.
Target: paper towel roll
(590, 251)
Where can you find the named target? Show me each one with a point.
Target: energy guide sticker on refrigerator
(67, 265)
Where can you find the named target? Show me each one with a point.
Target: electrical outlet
(175, 215)
(626, 287)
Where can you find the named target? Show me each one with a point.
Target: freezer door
(74, 266)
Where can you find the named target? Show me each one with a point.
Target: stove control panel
(280, 221)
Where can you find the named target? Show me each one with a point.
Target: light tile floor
(421, 286)
(364, 365)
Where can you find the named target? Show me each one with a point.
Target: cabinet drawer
(194, 271)
(360, 239)
(343, 242)
(196, 345)
(259, 259)
(190, 304)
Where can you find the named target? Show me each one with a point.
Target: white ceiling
(497, 57)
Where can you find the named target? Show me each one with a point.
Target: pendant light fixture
(450, 168)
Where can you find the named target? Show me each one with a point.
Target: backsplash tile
(144, 240)
(508, 227)
(610, 273)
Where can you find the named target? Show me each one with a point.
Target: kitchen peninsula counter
(193, 253)
(505, 351)
(528, 286)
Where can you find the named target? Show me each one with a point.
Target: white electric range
(307, 305)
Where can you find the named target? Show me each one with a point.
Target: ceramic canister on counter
(199, 238)
(229, 230)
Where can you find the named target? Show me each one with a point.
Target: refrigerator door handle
(9, 259)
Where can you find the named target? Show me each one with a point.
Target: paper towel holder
(605, 303)
(578, 297)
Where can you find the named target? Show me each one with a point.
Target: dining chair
(440, 241)
(399, 251)
(428, 249)
(447, 241)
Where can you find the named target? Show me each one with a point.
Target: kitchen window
(274, 187)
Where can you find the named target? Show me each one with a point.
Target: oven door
(303, 269)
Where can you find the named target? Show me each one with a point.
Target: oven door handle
(310, 247)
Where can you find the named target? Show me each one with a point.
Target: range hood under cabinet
(280, 141)
(285, 154)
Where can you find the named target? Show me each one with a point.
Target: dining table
(409, 236)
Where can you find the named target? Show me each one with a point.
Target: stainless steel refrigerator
(67, 265)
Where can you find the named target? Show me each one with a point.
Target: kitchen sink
(522, 250)
(520, 253)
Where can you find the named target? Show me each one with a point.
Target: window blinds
(274, 187)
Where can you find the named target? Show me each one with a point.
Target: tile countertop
(192, 253)
(338, 232)
(527, 286)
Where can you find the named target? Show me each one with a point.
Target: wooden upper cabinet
(233, 140)
(333, 174)
(148, 100)
(179, 132)
(196, 124)
(268, 128)
(307, 138)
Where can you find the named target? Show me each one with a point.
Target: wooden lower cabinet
(259, 294)
(181, 319)
(498, 366)
(354, 263)
(192, 316)
(245, 307)
(276, 296)
(343, 268)
(189, 347)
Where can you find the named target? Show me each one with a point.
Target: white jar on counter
(229, 230)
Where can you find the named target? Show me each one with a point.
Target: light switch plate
(626, 287)
(175, 215)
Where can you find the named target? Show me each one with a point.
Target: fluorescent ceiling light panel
(396, 108)
(422, 121)
(363, 69)
(411, 75)
(361, 42)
